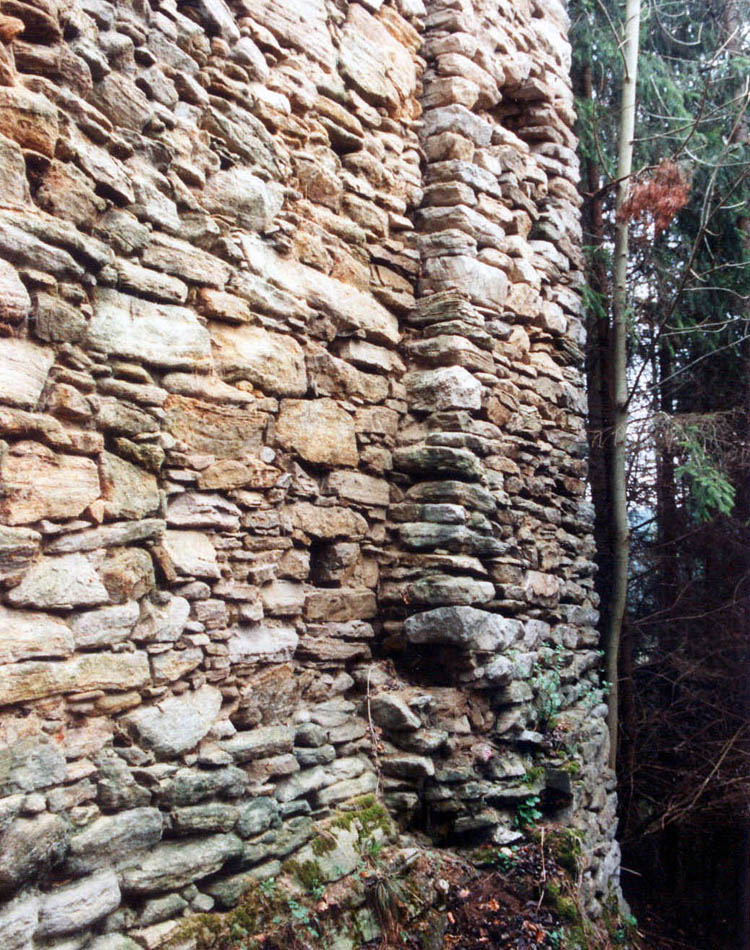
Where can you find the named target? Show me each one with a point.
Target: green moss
(323, 844)
(565, 907)
(533, 775)
(369, 815)
(566, 847)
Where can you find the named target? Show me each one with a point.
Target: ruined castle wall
(291, 445)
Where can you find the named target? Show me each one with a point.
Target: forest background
(680, 709)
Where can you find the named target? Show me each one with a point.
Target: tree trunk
(619, 369)
(598, 373)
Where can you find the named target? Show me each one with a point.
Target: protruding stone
(319, 430)
(25, 635)
(114, 839)
(448, 387)
(58, 582)
(40, 484)
(30, 847)
(28, 118)
(178, 723)
(391, 712)
(272, 361)
(23, 371)
(192, 553)
(175, 864)
(463, 626)
(128, 491)
(23, 682)
(256, 642)
(161, 334)
(74, 907)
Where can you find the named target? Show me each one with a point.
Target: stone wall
(291, 445)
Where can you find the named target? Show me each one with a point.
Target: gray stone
(162, 623)
(213, 816)
(74, 907)
(453, 492)
(391, 712)
(161, 908)
(308, 758)
(105, 626)
(256, 642)
(340, 857)
(203, 510)
(178, 723)
(113, 942)
(113, 839)
(447, 387)
(303, 783)
(257, 816)
(107, 536)
(128, 491)
(31, 763)
(190, 786)
(436, 589)
(438, 459)
(18, 921)
(462, 626)
(175, 864)
(240, 195)
(279, 842)
(229, 890)
(18, 548)
(29, 847)
(68, 581)
(346, 789)
(259, 743)
(310, 735)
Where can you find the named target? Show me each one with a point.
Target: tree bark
(619, 370)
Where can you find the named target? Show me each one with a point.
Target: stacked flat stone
(291, 465)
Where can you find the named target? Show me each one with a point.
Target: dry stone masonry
(291, 446)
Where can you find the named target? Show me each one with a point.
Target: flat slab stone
(177, 864)
(31, 763)
(221, 430)
(40, 483)
(67, 581)
(463, 626)
(23, 372)
(22, 682)
(74, 907)
(18, 548)
(272, 361)
(349, 308)
(298, 23)
(259, 743)
(29, 847)
(160, 334)
(255, 642)
(178, 723)
(448, 387)
(111, 839)
(319, 430)
(192, 553)
(25, 635)
(18, 921)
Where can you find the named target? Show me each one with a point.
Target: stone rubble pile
(292, 475)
